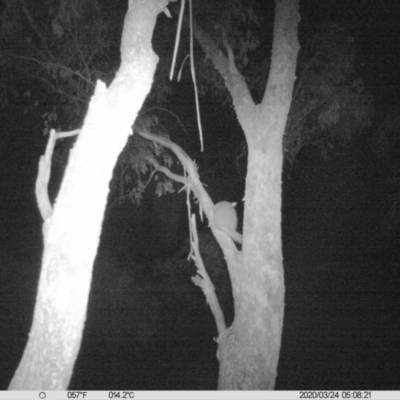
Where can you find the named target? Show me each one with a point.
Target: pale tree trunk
(249, 350)
(72, 232)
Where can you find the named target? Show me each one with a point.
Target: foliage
(65, 46)
(60, 48)
(237, 23)
(329, 102)
(134, 170)
(330, 105)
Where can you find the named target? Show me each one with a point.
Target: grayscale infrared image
(199, 195)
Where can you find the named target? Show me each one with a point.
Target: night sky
(148, 326)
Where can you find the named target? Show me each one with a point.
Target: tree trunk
(249, 350)
(71, 234)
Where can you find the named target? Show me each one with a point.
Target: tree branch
(234, 81)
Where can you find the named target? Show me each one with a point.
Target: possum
(225, 220)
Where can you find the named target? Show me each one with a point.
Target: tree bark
(72, 232)
(249, 350)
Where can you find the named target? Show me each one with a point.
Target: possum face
(225, 220)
